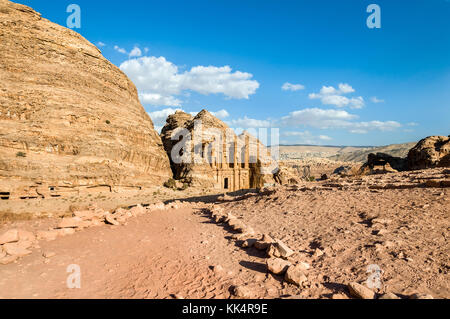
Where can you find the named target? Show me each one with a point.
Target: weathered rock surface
(384, 163)
(69, 119)
(433, 151)
(389, 295)
(361, 292)
(9, 236)
(16, 249)
(296, 275)
(277, 266)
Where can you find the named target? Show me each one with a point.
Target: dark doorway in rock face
(4, 195)
(225, 183)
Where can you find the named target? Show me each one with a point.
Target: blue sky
(349, 85)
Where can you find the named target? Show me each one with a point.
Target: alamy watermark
(374, 280)
(74, 279)
(74, 19)
(374, 20)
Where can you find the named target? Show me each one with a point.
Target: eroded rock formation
(68, 117)
(433, 151)
(204, 151)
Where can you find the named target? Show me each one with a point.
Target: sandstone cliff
(68, 117)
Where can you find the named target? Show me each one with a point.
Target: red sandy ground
(172, 253)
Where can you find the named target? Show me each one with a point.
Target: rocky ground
(316, 240)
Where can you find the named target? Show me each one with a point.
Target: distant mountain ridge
(397, 150)
(341, 153)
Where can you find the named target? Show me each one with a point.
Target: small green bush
(21, 154)
(170, 184)
(312, 179)
(108, 122)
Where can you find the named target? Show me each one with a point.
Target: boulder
(264, 243)
(47, 235)
(383, 163)
(138, 210)
(343, 171)
(296, 275)
(8, 260)
(111, 220)
(242, 291)
(433, 151)
(360, 291)
(277, 266)
(71, 222)
(421, 296)
(9, 236)
(283, 249)
(389, 295)
(16, 249)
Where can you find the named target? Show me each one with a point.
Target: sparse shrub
(357, 172)
(108, 122)
(171, 183)
(312, 179)
(185, 186)
(21, 154)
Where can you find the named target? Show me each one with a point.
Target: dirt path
(158, 255)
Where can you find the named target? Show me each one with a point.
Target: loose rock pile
(283, 261)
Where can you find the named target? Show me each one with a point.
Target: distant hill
(341, 153)
(360, 155)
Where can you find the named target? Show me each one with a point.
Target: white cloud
(246, 122)
(325, 138)
(222, 114)
(317, 118)
(306, 137)
(154, 75)
(357, 102)
(345, 88)
(376, 100)
(335, 119)
(159, 117)
(120, 50)
(412, 124)
(101, 44)
(159, 100)
(329, 95)
(292, 87)
(338, 100)
(136, 52)
(328, 90)
(358, 131)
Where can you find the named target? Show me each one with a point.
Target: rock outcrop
(383, 163)
(205, 152)
(69, 119)
(433, 151)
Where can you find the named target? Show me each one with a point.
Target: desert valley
(94, 203)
